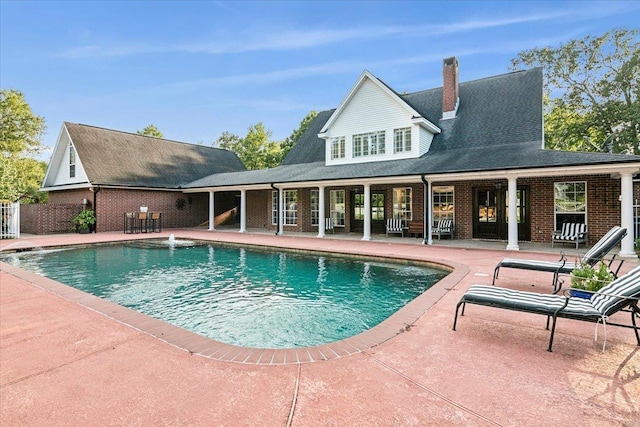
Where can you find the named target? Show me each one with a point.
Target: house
(472, 152)
(114, 172)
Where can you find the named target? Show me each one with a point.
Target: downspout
(95, 190)
(278, 210)
(426, 206)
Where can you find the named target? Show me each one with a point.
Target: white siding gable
(58, 171)
(373, 107)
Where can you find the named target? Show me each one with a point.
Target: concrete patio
(66, 359)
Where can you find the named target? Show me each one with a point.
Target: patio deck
(63, 362)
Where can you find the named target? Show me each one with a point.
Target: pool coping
(398, 323)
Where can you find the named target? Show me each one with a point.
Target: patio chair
(444, 227)
(570, 233)
(620, 295)
(591, 257)
(328, 225)
(395, 225)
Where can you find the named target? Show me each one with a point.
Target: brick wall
(48, 218)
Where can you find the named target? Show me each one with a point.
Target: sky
(196, 69)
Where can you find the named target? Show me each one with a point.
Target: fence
(10, 220)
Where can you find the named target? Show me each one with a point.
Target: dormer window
(72, 161)
(401, 140)
(368, 144)
(337, 148)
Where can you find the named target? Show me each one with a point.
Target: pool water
(241, 296)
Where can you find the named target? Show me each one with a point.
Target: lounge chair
(592, 257)
(571, 232)
(444, 228)
(620, 295)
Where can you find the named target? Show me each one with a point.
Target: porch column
(321, 220)
(428, 207)
(280, 212)
(243, 211)
(366, 235)
(513, 215)
(212, 212)
(626, 215)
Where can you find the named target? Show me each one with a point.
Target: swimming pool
(241, 296)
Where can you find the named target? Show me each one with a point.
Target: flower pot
(577, 293)
(85, 230)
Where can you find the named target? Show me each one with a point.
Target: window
(368, 144)
(402, 203)
(401, 140)
(290, 207)
(315, 207)
(337, 148)
(274, 207)
(337, 207)
(72, 161)
(442, 203)
(570, 202)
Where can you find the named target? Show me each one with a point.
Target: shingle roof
(112, 157)
(498, 127)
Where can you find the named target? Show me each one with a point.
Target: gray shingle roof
(498, 127)
(112, 157)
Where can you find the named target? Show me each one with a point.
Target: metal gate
(10, 220)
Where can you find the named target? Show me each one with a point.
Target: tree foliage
(20, 140)
(150, 130)
(592, 89)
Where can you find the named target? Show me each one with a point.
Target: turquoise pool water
(241, 296)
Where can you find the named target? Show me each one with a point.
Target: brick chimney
(450, 99)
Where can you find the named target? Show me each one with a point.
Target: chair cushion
(530, 264)
(624, 286)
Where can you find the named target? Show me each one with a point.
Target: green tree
(255, 150)
(292, 139)
(20, 140)
(150, 130)
(594, 84)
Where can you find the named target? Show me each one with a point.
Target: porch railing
(9, 220)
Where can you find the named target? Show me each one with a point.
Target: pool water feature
(240, 296)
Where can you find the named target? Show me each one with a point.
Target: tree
(20, 129)
(596, 81)
(20, 140)
(256, 150)
(150, 130)
(292, 139)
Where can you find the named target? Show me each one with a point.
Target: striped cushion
(625, 286)
(528, 301)
(530, 264)
(571, 231)
(604, 245)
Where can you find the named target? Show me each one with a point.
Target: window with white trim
(401, 140)
(72, 161)
(290, 207)
(274, 207)
(368, 144)
(443, 203)
(337, 148)
(570, 202)
(337, 207)
(402, 203)
(315, 207)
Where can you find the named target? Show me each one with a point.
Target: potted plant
(84, 220)
(589, 278)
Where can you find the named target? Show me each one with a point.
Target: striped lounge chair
(395, 225)
(562, 266)
(622, 294)
(570, 233)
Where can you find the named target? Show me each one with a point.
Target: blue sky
(198, 68)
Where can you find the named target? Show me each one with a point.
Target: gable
(59, 170)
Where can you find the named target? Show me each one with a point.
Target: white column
(280, 211)
(512, 244)
(428, 206)
(243, 211)
(626, 215)
(367, 212)
(212, 212)
(321, 220)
